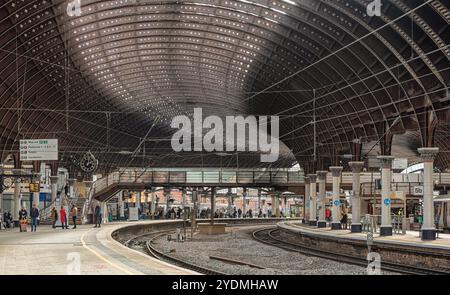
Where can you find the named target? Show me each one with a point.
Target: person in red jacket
(63, 216)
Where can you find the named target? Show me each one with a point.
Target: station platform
(399, 250)
(57, 252)
(411, 238)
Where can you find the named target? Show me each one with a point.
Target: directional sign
(418, 190)
(387, 202)
(336, 202)
(39, 150)
(34, 187)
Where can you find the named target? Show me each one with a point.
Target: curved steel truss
(99, 81)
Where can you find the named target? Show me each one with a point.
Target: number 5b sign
(418, 191)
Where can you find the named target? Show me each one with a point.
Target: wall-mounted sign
(34, 187)
(400, 163)
(39, 150)
(418, 190)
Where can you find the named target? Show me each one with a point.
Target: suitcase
(23, 226)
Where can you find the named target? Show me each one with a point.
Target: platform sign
(336, 203)
(387, 202)
(34, 187)
(39, 150)
(418, 190)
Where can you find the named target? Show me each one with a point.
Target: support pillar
(336, 172)
(313, 199)
(138, 199)
(183, 199)
(356, 226)
(89, 193)
(306, 202)
(153, 204)
(72, 182)
(322, 176)
(259, 202)
(273, 213)
(277, 203)
(386, 224)
(54, 187)
(244, 202)
(428, 226)
(17, 198)
(230, 202)
(167, 196)
(121, 207)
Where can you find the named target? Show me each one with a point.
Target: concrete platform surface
(84, 251)
(411, 238)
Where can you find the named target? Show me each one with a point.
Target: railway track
(152, 251)
(266, 236)
(168, 258)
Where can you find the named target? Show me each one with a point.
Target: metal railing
(371, 223)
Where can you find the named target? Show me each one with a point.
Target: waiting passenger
(34, 214)
(344, 220)
(54, 217)
(98, 216)
(23, 214)
(63, 217)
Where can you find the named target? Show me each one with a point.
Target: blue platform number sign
(337, 203)
(387, 202)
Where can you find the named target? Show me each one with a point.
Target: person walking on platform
(54, 216)
(98, 216)
(74, 213)
(63, 217)
(34, 214)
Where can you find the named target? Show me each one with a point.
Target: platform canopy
(111, 79)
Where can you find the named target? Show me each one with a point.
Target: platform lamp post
(313, 198)
(322, 176)
(386, 224)
(356, 167)
(428, 155)
(17, 200)
(336, 172)
(213, 204)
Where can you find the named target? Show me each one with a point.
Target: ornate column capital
(428, 154)
(54, 179)
(356, 166)
(386, 161)
(336, 170)
(312, 178)
(322, 175)
(306, 180)
(72, 181)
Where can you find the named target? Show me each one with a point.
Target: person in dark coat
(344, 220)
(98, 216)
(23, 213)
(34, 214)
